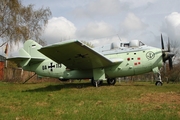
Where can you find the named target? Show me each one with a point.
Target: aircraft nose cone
(167, 55)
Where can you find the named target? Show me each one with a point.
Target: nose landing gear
(159, 82)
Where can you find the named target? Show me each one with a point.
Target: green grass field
(81, 101)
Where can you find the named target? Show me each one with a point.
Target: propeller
(166, 54)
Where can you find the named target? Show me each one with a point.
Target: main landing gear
(97, 83)
(111, 81)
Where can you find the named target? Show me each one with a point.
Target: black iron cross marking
(51, 66)
(81, 56)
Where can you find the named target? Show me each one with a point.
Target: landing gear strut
(96, 83)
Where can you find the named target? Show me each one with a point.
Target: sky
(105, 21)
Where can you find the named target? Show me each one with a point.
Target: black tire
(111, 81)
(158, 83)
(99, 83)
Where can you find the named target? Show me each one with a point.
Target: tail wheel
(111, 81)
(99, 82)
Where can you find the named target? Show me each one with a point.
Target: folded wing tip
(117, 60)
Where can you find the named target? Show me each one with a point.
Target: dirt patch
(169, 97)
(41, 104)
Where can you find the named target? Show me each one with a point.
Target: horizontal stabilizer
(23, 61)
(37, 59)
(20, 60)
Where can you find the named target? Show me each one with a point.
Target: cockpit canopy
(114, 45)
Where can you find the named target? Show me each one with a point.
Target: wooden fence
(20, 76)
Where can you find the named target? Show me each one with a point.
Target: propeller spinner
(166, 54)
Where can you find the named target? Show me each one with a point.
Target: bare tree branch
(19, 23)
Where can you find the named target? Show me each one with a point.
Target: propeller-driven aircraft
(73, 59)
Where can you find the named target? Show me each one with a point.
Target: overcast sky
(102, 21)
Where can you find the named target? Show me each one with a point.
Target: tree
(172, 74)
(87, 43)
(19, 23)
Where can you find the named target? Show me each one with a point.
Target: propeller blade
(162, 43)
(166, 54)
(163, 52)
(169, 49)
(170, 63)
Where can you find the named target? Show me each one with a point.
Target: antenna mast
(119, 37)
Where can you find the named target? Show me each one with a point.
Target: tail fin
(31, 47)
(29, 53)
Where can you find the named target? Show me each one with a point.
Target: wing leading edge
(76, 55)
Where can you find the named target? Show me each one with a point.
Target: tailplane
(28, 54)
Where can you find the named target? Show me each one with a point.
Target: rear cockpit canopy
(135, 43)
(132, 44)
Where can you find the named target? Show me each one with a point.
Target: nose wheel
(159, 82)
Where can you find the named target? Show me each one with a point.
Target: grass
(81, 101)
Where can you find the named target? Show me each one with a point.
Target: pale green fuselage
(135, 61)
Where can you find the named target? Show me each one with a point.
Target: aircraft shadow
(58, 87)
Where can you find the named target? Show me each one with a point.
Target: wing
(76, 55)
